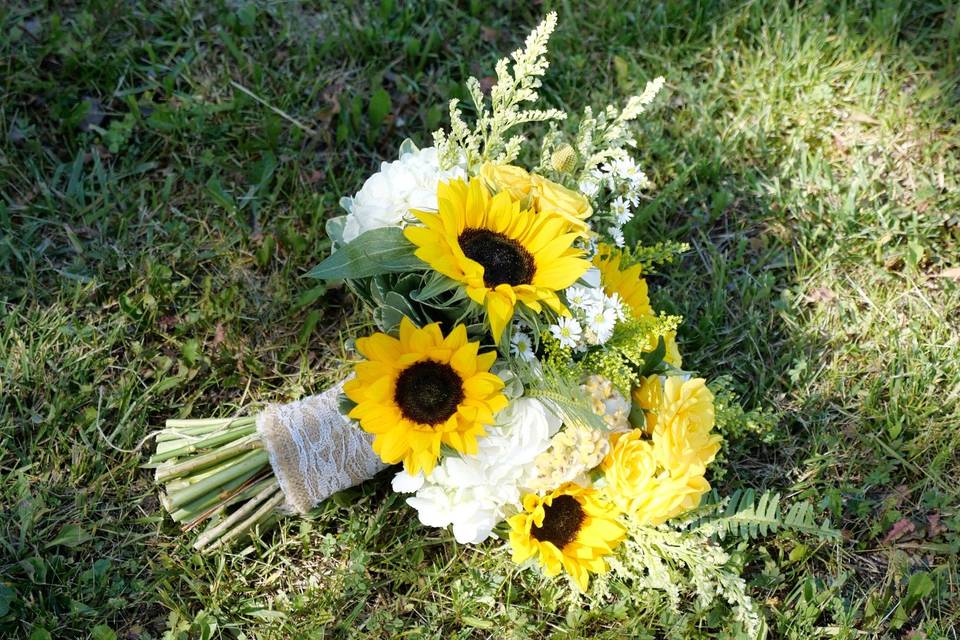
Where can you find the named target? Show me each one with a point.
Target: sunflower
(423, 390)
(628, 283)
(501, 253)
(570, 528)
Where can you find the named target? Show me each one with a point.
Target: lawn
(166, 169)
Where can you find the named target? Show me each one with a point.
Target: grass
(156, 219)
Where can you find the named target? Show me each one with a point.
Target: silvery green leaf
(377, 290)
(388, 318)
(435, 285)
(513, 386)
(407, 147)
(397, 301)
(334, 228)
(374, 252)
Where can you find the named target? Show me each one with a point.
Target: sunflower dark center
(428, 392)
(504, 260)
(561, 522)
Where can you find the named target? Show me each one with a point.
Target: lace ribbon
(314, 450)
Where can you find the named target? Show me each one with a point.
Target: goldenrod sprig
(487, 139)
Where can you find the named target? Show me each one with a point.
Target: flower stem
(190, 465)
(213, 535)
(247, 463)
(219, 438)
(230, 492)
(210, 423)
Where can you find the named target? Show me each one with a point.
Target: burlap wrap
(314, 450)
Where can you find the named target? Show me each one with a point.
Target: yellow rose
(646, 398)
(507, 177)
(682, 438)
(550, 197)
(630, 470)
(544, 196)
(638, 485)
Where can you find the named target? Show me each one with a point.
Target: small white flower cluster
(572, 454)
(623, 177)
(594, 314)
(625, 181)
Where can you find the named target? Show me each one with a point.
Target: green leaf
(477, 623)
(266, 615)
(309, 325)
(102, 632)
(653, 359)
(265, 251)
(191, 351)
(376, 251)
(71, 535)
(7, 597)
(39, 633)
(748, 518)
(379, 107)
(919, 587)
(216, 191)
(309, 296)
(434, 287)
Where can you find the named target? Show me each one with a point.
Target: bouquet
(519, 383)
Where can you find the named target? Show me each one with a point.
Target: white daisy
(627, 169)
(615, 302)
(616, 234)
(602, 323)
(521, 346)
(589, 188)
(567, 331)
(620, 208)
(582, 298)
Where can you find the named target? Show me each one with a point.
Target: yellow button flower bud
(564, 159)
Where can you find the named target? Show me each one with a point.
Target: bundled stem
(215, 474)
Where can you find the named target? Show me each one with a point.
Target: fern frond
(685, 566)
(748, 517)
(562, 395)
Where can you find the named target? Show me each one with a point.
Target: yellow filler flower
(423, 390)
(501, 253)
(569, 529)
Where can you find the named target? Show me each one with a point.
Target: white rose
(476, 492)
(386, 198)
